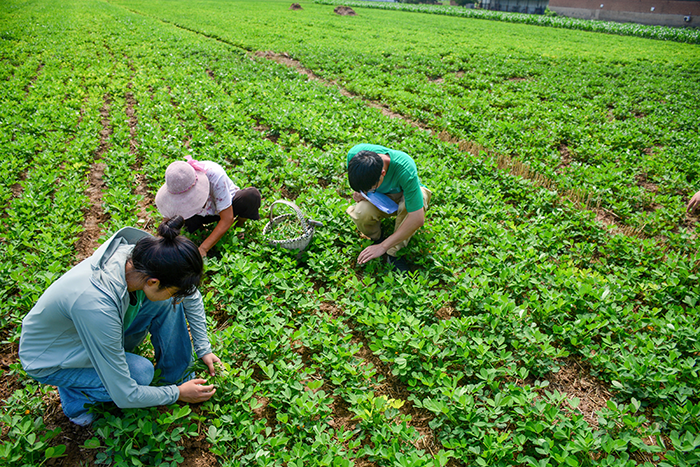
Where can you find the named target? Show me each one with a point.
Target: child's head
(364, 170)
(171, 258)
(185, 191)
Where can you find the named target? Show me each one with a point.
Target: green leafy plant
(141, 436)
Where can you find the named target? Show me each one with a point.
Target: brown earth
(95, 217)
(344, 11)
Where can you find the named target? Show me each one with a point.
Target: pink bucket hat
(184, 193)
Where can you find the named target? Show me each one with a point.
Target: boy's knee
(362, 211)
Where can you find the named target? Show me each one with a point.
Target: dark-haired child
(80, 334)
(375, 168)
(202, 193)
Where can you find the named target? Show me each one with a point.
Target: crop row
(613, 118)
(664, 33)
(50, 127)
(528, 280)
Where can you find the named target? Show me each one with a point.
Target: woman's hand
(693, 203)
(209, 360)
(193, 391)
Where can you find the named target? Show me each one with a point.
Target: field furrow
(551, 316)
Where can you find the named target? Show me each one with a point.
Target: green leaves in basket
(285, 228)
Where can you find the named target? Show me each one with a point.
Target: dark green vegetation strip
(665, 33)
(526, 279)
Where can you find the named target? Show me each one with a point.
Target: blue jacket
(78, 323)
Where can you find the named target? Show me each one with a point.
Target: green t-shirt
(133, 309)
(401, 176)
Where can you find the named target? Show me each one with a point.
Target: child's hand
(209, 360)
(193, 391)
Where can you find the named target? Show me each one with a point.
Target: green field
(553, 316)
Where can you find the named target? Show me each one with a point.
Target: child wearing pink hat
(202, 193)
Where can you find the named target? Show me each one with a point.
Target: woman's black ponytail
(171, 258)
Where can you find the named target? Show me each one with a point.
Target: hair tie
(196, 165)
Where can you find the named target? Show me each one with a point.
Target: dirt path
(95, 215)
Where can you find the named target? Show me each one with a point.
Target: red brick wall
(664, 7)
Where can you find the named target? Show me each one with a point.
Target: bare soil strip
(95, 216)
(141, 185)
(8, 384)
(575, 380)
(30, 85)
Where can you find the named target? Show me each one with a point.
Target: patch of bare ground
(132, 120)
(130, 64)
(284, 59)
(574, 379)
(196, 453)
(30, 85)
(286, 194)
(8, 383)
(643, 182)
(565, 156)
(330, 309)
(16, 190)
(344, 11)
(95, 216)
(219, 314)
(173, 102)
(605, 217)
(342, 416)
(147, 199)
(265, 130)
(265, 411)
(72, 436)
(446, 312)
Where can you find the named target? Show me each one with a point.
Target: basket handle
(296, 209)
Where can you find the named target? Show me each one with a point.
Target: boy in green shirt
(375, 168)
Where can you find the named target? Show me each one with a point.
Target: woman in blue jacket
(80, 334)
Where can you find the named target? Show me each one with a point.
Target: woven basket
(308, 226)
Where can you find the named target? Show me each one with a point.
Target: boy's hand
(371, 252)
